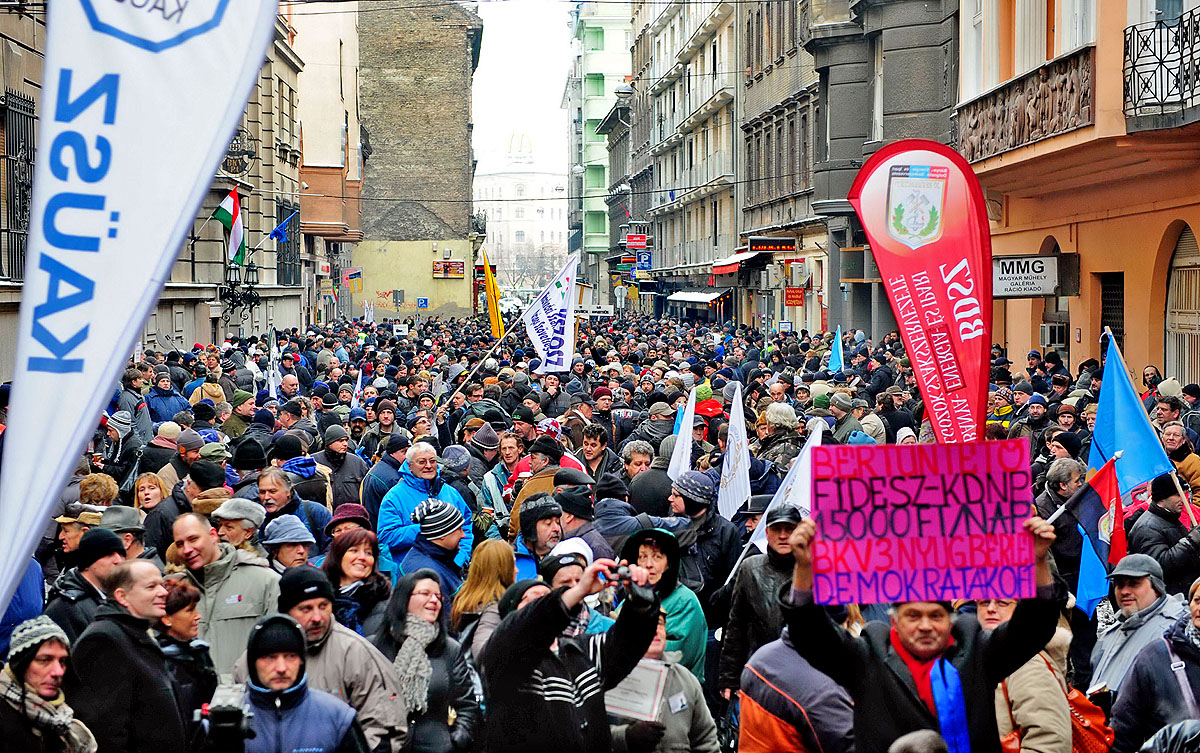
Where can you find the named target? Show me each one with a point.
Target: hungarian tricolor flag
(229, 214)
(1101, 519)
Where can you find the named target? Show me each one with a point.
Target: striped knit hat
(437, 518)
(28, 637)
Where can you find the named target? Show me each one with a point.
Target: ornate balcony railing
(1162, 66)
(1054, 98)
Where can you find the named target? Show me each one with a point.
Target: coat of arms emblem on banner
(916, 194)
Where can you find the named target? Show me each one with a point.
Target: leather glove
(642, 737)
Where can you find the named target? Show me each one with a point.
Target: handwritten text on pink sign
(922, 522)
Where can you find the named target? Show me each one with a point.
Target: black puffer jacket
(72, 603)
(1150, 696)
(1159, 534)
(754, 616)
(347, 475)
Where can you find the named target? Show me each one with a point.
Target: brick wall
(415, 95)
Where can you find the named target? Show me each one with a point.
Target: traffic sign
(635, 241)
(422, 303)
(593, 311)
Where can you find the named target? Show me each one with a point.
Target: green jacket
(687, 630)
(239, 588)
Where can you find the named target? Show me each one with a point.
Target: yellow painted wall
(408, 266)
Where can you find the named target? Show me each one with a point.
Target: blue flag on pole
(837, 362)
(1122, 424)
(279, 234)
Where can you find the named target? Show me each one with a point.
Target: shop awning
(730, 264)
(697, 296)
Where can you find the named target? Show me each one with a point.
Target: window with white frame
(971, 13)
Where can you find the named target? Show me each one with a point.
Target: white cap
(574, 545)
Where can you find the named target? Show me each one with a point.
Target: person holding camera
(537, 674)
(289, 715)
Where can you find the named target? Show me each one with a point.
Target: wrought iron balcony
(1162, 72)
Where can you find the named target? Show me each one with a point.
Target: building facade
(778, 116)
(887, 70)
(419, 232)
(1080, 121)
(602, 39)
(331, 157)
(695, 146)
(525, 205)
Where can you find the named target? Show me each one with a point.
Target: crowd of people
(421, 542)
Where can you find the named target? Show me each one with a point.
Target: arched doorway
(1183, 310)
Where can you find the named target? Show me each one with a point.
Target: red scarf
(919, 671)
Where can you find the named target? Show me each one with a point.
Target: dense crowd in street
(421, 542)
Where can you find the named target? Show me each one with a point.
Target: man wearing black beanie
(287, 709)
(577, 519)
(78, 593)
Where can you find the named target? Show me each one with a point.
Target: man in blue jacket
(419, 481)
(383, 475)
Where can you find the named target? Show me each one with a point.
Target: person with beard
(658, 552)
(1033, 424)
(754, 615)
(338, 660)
(289, 715)
(347, 469)
(358, 427)
(540, 530)
(377, 435)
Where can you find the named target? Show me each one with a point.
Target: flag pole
(1174, 473)
(1063, 507)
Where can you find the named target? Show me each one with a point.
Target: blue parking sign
(422, 303)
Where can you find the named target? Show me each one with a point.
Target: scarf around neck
(52, 718)
(940, 689)
(413, 665)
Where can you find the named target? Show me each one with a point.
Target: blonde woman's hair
(493, 570)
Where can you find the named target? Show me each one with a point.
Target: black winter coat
(754, 615)
(120, 686)
(886, 704)
(73, 603)
(1068, 541)
(707, 560)
(19, 735)
(449, 687)
(346, 477)
(1159, 534)
(195, 679)
(1150, 696)
(553, 702)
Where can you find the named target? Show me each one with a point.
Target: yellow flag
(493, 298)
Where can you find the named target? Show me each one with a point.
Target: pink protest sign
(933, 522)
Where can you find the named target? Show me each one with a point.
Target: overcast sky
(519, 84)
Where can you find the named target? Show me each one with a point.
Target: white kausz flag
(735, 469)
(681, 456)
(119, 88)
(796, 489)
(550, 320)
